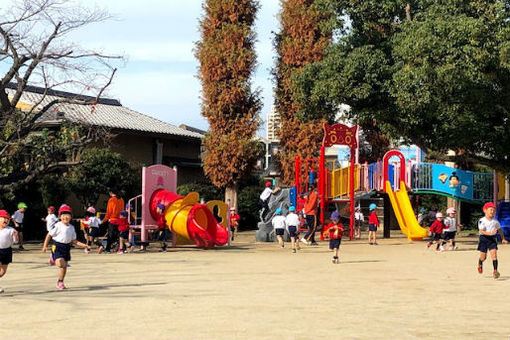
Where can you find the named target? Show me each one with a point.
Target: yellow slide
(404, 212)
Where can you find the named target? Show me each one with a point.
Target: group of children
(334, 230)
(443, 230)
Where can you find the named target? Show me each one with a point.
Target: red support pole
(322, 189)
(351, 187)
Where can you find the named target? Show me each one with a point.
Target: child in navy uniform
(63, 235)
(278, 223)
(373, 224)
(292, 225)
(436, 228)
(335, 230)
(488, 227)
(124, 233)
(8, 236)
(17, 218)
(451, 228)
(92, 223)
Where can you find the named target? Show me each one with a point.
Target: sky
(157, 37)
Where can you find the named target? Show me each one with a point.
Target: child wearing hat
(451, 228)
(292, 225)
(234, 222)
(488, 227)
(335, 229)
(278, 223)
(124, 244)
(358, 221)
(373, 224)
(51, 219)
(265, 196)
(63, 235)
(8, 236)
(17, 219)
(91, 223)
(436, 228)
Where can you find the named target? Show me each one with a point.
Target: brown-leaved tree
(305, 32)
(227, 61)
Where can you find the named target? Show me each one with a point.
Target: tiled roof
(108, 112)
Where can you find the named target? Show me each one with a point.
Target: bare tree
(35, 50)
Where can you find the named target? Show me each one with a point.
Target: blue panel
(452, 181)
(293, 196)
(391, 174)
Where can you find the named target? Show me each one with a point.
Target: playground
(260, 291)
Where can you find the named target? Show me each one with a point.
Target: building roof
(107, 112)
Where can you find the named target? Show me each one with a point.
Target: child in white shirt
(63, 235)
(278, 222)
(8, 236)
(292, 225)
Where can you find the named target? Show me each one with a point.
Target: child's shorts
(232, 229)
(163, 234)
(20, 228)
(279, 231)
(436, 236)
(124, 234)
(358, 223)
(293, 232)
(333, 244)
(487, 243)
(5, 256)
(93, 232)
(449, 235)
(372, 227)
(61, 251)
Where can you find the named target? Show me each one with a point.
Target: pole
(322, 170)
(351, 193)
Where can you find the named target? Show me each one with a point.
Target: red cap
(4, 213)
(268, 184)
(65, 209)
(52, 208)
(488, 205)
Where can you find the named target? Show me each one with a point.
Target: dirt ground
(395, 290)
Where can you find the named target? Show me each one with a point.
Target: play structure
(189, 220)
(395, 176)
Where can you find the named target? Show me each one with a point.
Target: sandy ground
(395, 290)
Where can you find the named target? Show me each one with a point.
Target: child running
(451, 228)
(234, 222)
(51, 219)
(17, 218)
(124, 244)
(8, 236)
(163, 230)
(91, 223)
(373, 224)
(336, 231)
(278, 223)
(436, 228)
(488, 227)
(63, 235)
(292, 225)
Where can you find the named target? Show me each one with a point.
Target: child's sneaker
(60, 285)
(1, 290)
(441, 248)
(100, 249)
(86, 250)
(428, 245)
(120, 251)
(293, 250)
(480, 269)
(495, 274)
(304, 240)
(131, 249)
(333, 259)
(51, 261)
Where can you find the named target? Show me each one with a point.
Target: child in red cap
(8, 236)
(488, 227)
(63, 235)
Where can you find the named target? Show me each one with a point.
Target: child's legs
(20, 238)
(335, 252)
(483, 256)
(125, 242)
(280, 239)
(494, 254)
(293, 242)
(3, 269)
(62, 268)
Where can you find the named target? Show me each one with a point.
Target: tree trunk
(231, 195)
(408, 11)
